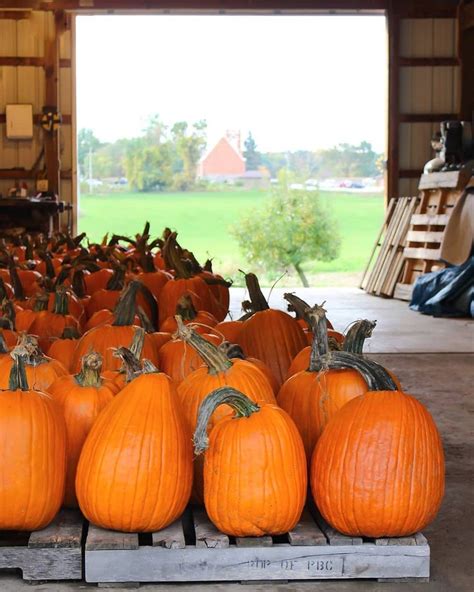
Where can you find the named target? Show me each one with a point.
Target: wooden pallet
(381, 279)
(193, 550)
(439, 193)
(54, 553)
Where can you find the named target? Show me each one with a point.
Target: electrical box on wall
(19, 119)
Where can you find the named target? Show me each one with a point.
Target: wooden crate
(193, 550)
(54, 553)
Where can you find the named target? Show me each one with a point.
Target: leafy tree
(253, 158)
(189, 144)
(86, 142)
(348, 160)
(291, 228)
(148, 166)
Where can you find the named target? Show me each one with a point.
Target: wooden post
(52, 69)
(393, 101)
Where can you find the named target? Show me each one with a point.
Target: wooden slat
(99, 538)
(421, 253)
(426, 117)
(429, 220)
(207, 535)
(64, 531)
(420, 539)
(15, 15)
(432, 62)
(171, 537)
(396, 541)
(334, 537)
(306, 532)
(263, 541)
(24, 61)
(27, 174)
(66, 118)
(424, 236)
(445, 180)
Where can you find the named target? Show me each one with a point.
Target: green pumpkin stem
(375, 375)
(70, 333)
(215, 359)
(78, 283)
(41, 302)
(320, 345)
(8, 319)
(357, 334)
(15, 280)
(89, 376)
(17, 379)
(117, 279)
(61, 302)
(224, 395)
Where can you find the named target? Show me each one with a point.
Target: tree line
(165, 157)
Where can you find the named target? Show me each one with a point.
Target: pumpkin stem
(215, 359)
(320, 345)
(15, 280)
(232, 350)
(144, 320)
(172, 255)
(70, 333)
(29, 348)
(78, 283)
(17, 379)
(185, 308)
(149, 367)
(224, 395)
(257, 299)
(3, 344)
(89, 376)
(138, 341)
(124, 313)
(357, 334)
(130, 363)
(41, 302)
(375, 375)
(297, 305)
(61, 303)
(117, 279)
(8, 319)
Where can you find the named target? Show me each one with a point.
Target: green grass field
(203, 220)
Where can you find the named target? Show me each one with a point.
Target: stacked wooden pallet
(193, 550)
(381, 278)
(439, 193)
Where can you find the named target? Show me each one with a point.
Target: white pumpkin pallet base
(193, 550)
(54, 553)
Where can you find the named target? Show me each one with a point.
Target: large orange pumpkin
(202, 321)
(254, 467)
(135, 470)
(272, 336)
(218, 371)
(81, 398)
(33, 453)
(378, 468)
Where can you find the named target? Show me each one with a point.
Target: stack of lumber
(381, 278)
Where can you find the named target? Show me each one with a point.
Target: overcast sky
(297, 82)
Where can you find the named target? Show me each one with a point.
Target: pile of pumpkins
(124, 391)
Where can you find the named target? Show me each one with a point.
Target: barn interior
(430, 81)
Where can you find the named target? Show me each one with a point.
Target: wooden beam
(427, 62)
(14, 15)
(410, 173)
(393, 21)
(66, 119)
(427, 117)
(18, 174)
(38, 62)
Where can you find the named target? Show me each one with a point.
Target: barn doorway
(197, 121)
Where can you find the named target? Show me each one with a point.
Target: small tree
(291, 228)
(253, 158)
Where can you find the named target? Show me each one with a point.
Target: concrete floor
(444, 383)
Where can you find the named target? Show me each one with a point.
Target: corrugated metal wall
(24, 36)
(429, 88)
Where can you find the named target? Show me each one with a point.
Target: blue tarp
(446, 293)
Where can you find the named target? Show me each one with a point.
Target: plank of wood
(38, 564)
(333, 536)
(99, 538)
(396, 541)
(263, 541)
(424, 236)
(306, 532)
(420, 539)
(207, 535)
(64, 531)
(403, 291)
(422, 253)
(171, 537)
(279, 562)
(429, 220)
(445, 180)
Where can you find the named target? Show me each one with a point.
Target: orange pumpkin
(81, 398)
(63, 349)
(138, 435)
(33, 453)
(52, 324)
(378, 468)
(218, 371)
(255, 474)
(272, 336)
(177, 359)
(202, 321)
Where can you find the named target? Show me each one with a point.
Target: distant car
(357, 185)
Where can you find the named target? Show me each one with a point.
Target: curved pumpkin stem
(320, 345)
(3, 344)
(375, 375)
(232, 350)
(297, 305)
(117, 279)
(89, 376)
(130, 363)
(357, 334)
(172, 255)
(15, 280)
(185, 308)
(215, 359)
(224, 395)
(78, 283)
(258, 301)
(124, 313)
(17, 379)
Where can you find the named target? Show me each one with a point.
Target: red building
(224, 161)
